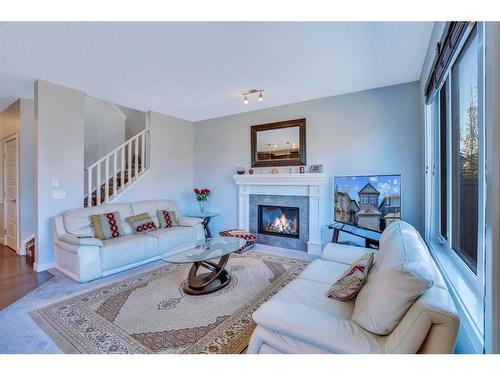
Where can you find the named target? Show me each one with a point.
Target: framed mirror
(279, 143)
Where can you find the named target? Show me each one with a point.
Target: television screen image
(370, 202)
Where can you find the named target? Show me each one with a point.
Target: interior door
(11, 193)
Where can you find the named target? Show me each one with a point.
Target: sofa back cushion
(77, 221)
(403, 270)
(151, 207)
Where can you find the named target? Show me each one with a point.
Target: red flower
(197, 191)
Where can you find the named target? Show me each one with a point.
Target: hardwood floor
(17, 277)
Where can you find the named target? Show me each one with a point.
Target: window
(457, 150)
(465, 152)
(443, 170)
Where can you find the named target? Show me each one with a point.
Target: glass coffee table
(205, 255)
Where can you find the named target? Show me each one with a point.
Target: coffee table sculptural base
(209, 259)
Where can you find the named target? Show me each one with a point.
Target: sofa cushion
(152, 206)
(171, 238)
(107, 225)
(167, 219)
(403, 270)
(349, 285)
(77, 221)
(125, 250)
(141, 223)
(323, 271)
(313, 294)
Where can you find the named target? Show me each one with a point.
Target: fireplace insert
(279, 221)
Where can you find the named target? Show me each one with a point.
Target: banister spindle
(106, 183)
(136, 156)
(143, 151)
(122, 168)
(89, 187)
(98, 185)
(115, 172)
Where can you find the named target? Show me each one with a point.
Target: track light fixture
(251, 92)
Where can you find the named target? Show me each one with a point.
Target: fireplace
(279, 221)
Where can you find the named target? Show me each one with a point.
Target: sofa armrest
(80, 241)
(345, 254)
(316, 327)
(196, 223)
(189, 221)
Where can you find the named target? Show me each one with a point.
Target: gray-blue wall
(370, 132)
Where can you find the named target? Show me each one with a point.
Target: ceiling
(198, 70)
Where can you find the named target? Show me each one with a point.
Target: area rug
(150, 313)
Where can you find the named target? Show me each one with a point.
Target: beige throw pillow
(348, 286)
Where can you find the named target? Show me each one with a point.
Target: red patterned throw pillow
(348, 286)
(167, 219)
(141, 223)
(106, 226)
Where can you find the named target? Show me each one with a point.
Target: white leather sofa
(84, 258)
(300, 318)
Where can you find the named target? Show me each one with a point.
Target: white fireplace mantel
(298, 184)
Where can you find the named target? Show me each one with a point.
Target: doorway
(10, 202)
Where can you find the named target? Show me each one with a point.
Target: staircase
(117, 171)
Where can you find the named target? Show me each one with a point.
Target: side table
(207, 216)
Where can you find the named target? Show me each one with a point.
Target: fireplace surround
(309, 187)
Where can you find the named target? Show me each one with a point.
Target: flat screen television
(369, 202)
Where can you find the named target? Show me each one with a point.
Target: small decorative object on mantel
(202, 197)
(317, 168)
(302, 169)
(240, 170)
(275, 171)
(250, 171)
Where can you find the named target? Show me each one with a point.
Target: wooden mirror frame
(300, 123)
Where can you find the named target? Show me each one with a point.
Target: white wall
(104, 129)
(135, 121)
(59, 114)
(171, 160)
(371, 132)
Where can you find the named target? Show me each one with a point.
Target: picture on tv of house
(370, 202)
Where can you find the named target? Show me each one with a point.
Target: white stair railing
(116, 171)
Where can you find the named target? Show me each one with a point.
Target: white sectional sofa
(300, 318)
(84, 258)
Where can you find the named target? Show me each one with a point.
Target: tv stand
(370, 237)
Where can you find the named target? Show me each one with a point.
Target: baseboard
(43, 266)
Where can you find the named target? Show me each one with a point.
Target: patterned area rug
(150, 313)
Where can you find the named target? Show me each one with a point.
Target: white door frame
(4, 141)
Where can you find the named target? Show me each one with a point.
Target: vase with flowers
(202, 197)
